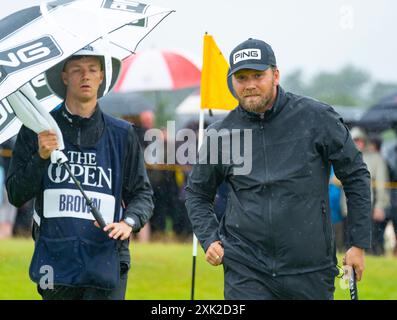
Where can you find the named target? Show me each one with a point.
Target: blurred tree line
(349, 86)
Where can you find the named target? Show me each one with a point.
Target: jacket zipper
(273, 267)
(78, 136)
(325, 223)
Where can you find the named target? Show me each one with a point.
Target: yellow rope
(7, 153)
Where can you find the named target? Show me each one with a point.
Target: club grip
(353, 285)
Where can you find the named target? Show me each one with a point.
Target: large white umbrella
(34, 39)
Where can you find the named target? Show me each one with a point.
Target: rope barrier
(7, 153)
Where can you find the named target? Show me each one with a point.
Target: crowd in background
(170, 221)
(382, 165)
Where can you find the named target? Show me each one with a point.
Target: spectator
(7, 211)
(379, 195)
(390, 155)
(337, 217)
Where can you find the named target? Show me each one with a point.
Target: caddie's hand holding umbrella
(38, 38)
(46, 141)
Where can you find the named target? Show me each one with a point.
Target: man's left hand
(117, 230)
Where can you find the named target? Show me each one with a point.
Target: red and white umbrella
(158, 70)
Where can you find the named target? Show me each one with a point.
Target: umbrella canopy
(35, 39)
(155, 70)
(164, 77)
(381, 116)
(351, 115)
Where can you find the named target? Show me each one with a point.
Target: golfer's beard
(253, 106)
(261, 106)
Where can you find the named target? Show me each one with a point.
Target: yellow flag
(215, 93)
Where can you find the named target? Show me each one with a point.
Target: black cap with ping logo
(251, 54)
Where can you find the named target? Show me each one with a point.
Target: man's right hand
(355, 258)
(48, 142)
(214, 254)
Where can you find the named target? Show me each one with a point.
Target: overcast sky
(312, 35)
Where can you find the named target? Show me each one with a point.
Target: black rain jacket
(277, 217)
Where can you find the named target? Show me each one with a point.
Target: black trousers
(244, 283)
(84, 293)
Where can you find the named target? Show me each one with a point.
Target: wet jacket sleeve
(201, 189)
(338, 147)
(26, 169)
(137, 191)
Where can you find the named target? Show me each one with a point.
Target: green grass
(163, 272)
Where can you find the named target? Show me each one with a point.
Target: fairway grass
(162, 271)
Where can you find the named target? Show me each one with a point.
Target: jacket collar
(281, 100)
(78, 121)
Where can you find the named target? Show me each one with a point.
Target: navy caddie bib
(69, 244)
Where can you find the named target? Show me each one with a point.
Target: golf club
(353, 285)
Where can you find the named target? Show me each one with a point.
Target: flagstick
(193, 266)
(195, 241)
(201, 129)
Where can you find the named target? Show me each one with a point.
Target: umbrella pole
(97, 215)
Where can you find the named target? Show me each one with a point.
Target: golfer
(275, 239)
(78, 259)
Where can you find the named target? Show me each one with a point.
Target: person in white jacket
(379, 193)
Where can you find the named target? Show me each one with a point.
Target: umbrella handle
(95, 212)
(97, 215)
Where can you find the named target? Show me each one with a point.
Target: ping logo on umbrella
(131, 6)
(27, 55)
(125, 5)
